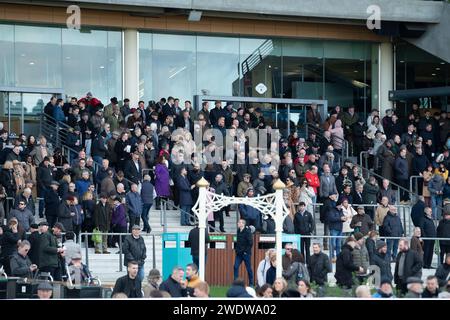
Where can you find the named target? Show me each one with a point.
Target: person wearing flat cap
(244, 185)
(154, 280)
(415, 288)
(134, 249)
(50, 250)
(44, 291)
(66, 214)
(382, 260)
(361, 222)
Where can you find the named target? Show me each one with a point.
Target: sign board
(170, 244)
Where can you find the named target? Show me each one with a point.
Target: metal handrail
(191, 215)
(87, 234)
(320, 131)
(416, 178)
(376, 175)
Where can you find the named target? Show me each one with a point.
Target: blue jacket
(147, 192)
(251, 213)
(58, 114)
(134, 204)
(392, 225)
(401, 168)
(417, 213)
(436, 184)
(82, 186)
(334, 219)
(184, 189)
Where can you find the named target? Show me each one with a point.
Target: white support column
(386, 76)
(202, 216)
(131, 66)
(279, 217)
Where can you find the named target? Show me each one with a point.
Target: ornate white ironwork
(272, 205)
(265, 204)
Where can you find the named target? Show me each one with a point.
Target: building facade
(145, 50)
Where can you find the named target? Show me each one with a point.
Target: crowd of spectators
(127, 156)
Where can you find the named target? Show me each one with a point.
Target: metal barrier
(163, 218)
(364, 159)
(315, 238)
(416, 180)
(85, 235)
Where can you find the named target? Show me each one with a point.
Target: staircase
(107, 266)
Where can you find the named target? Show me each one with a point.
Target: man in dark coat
(362, 222)
(428, 231)
(44, 177)
(304, 225)
(175, 285)
(185, 197)
(52, 202)
(129, 284)
(443, 231)
(345, 266)
(34, 239)
(370, 192)
(133, 169)
(102, 221)
(251, 214)
(408, 264)
(383, 261)
(417, 212)
(134, 249)
(194, 240)
(65, 214)
(335, 219)
(392, 227)
(21, 265)
(443, 271)
(220, 187)
(243, 248)
(147, 191)
(99, 151)
(401, 168)
(318, 267)
(50, 251)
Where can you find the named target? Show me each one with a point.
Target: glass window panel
(345, 83)
(174, 66)
(145, 66)
(302, 69)
(114, 65)
(34, 103)
(218, 65)
(92, 62)
(7, 55)
(345, 50)
(260, 62)
(37, 57)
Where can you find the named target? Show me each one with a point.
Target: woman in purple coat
(162, 180)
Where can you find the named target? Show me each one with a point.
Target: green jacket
(348, 121)
(48, 251)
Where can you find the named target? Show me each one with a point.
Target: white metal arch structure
(272, 205)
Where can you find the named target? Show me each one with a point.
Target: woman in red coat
(313, 180)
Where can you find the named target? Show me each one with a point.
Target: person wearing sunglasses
(20, 263)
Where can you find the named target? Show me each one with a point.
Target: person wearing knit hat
(345, 266)
(381, 259)
(154, 280)
(360, 254)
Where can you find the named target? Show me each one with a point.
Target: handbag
(96, 236)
